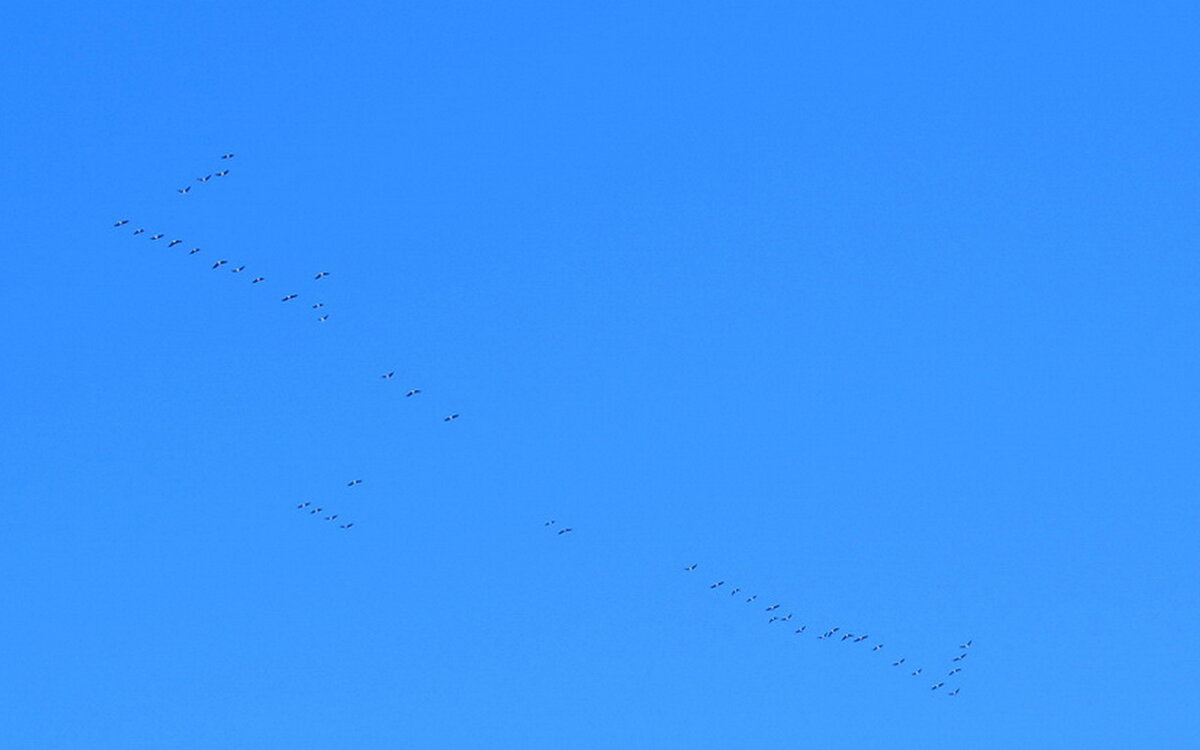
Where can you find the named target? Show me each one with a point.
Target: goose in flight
(323, 318)
(564, 531)
(193, 251)
(331, 518)
(897, 662)
(935, 687)
(346, 525)
(353, 482)
(735, 592)
(258, 280)
(917, 672)
(953, 692)
(847, 636)
(226, 156)
(450, 418)
(289, 297)
(184, 191)
(960, 657)
(321, 275)
(752, 598)
(954, 671)
(205, 178)
(785, 619)
(861, 638)
(412, 393)
(550, 523)
(965, 645)
(156, 236)
(173, 243)
(222, 173)
(314, 511)
(303, 505)
(388, 375)
(773, 619)
(318, 306)
(801, 629)
(219, 263)
(877, 646)
(692, 566)
(772, 608)
(239, 269)
(138, 231)
(121, 223)
(718, 583)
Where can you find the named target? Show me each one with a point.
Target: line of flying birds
(837, 633)
(322, 317)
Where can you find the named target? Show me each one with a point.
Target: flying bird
(916, 672)
(785, 619)
(718, 583)
(801, 629)
(450, 418)
(734, 592)
(412, 393)
(205, 178)
(323, 318)
(239, 269)
(691, 567)
(877, 646)
(121, 223)
(960, 657)
(173, 243)
(388, 375)
(897, 663)
(193, 251)
(549, 523)
(752, 598)
(347, 525)
(935, 687)
(219, 263)
(138, 231)
(321, 275)
(318, 306)
(954, 671)
(257, 280)
(966, 645)
(184, 191)
(861, 638)
(315, 510)
(289, 297)
(226, 156)
(953, 692)
(331, 518)
(222, 173)
(353, 482)
(772, 607)
(303, 505)
(156, 236)
(564, 531)
(773, 619)
(847, 636)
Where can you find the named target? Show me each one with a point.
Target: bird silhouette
(222, 173)
(289, 297)
(318, 306)
(450, 418)
(138, 231)
(219, 263)
(354, 482)
(801, 629)
(226, 156)
(156, 236)
(173, 243)
(239, 269)
(121, 223)
(954, 671)
(564, 531)
(718, 583)
(257, 280)
(935, 687)
(966, 645)
(321, 275)
(549, 523)
(323, 318)
(388, 375)
(346, 525)
(205, 178)
(193, 251)
(185, 191)
(897, 663)
(877, 646)
(953, 692)
(691, 567)
(916, 672)
(412, 393)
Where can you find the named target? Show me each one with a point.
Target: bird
(353, 482)
(953, 692)
(935, 687)
(239, 269)
(917, 672)
(877, 646)
(346, 525)
(834, 630)
(772, 607)
(219, 263)
(718, 583)
(138, 231)
(412, 393)
(897, 663)
(222, 173)
(450, 418)
(321, 275)
(691, 567)
(315, 510)
(966, 645)
(550, 523)
(960, 657)
(847, 636)
(289, 297)
(801, 629)
(193, 251)
(303, 505)
(752, 598)
(954, 671)
(121, 223)
(785, 619)
(861, 638)
(773, 619)
(156, 236)
(318, 306)
(331, 518)
(226, 156)
(323, 318)
(184, 191)
(564, 531)
(173, 243)
(257, 280)
(205, 178)
(388, 375)
(734, 592)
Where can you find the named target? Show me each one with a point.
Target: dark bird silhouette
(954, 671)
(450, 418)
(718, 583)
(193, 251)
(549, 523)
(346, 525)
(966, 645)
(185, 191)
(877, 646)
(222, 173)
(412, 393)
(953, 692)
(772, 608)
(173, 243)
(303, 505)
(219, 263)
(847, 636)
(226, 156)
(138, 231)
(897, 663)
(691, 567)
(205, 178)
(323, 318)
(315, 510)
(801, 629)
(935, 687)
(861, 638)
(752, 598)
(353, 482)
(156, 236)
(331, 518)
(960, 657)
(916, 672)
(388, 375)
(239, 269)
(773, 619)
(318, 306)
(258, 280)
(121, 223)
(734, 592)
(564, 531)
(321, 275)
(289, 297)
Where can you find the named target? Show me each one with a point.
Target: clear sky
(886, 312)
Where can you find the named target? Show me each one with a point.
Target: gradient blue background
(887, 314)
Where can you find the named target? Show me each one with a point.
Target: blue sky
(889, 315)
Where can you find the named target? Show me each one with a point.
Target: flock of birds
(319, 512)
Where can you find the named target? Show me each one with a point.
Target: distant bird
(773, 619)
(718, 583)
(318, 306)
(193, 251)
(331, 518)
(219, 263)
(861, 638)
(388, 375)
(258, 280)
(121, 223)
(289, 297)
(833, 630)
(450, 418)
(801, 629)
(734, 592)
(916, 672)
(954, 671)
(966, 645)
(222, 173)
(239, 269)
(564, 531)
(691, 567)
(897, 663)
(323, 318)
(752, 598)
(847, 636)
(315, 510)
(226, 156)
(156, 236)
(960, 657)
(877, 646)
(953, 692)
(785, 619)
(935, 687)
(138, 231)
(303, 505)
(347, 525)
(412, 393)
(185, 191)
(549, 523)
(353, 482)
(321, 275)
(173, 243)
(772, 607)
(205, 178)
